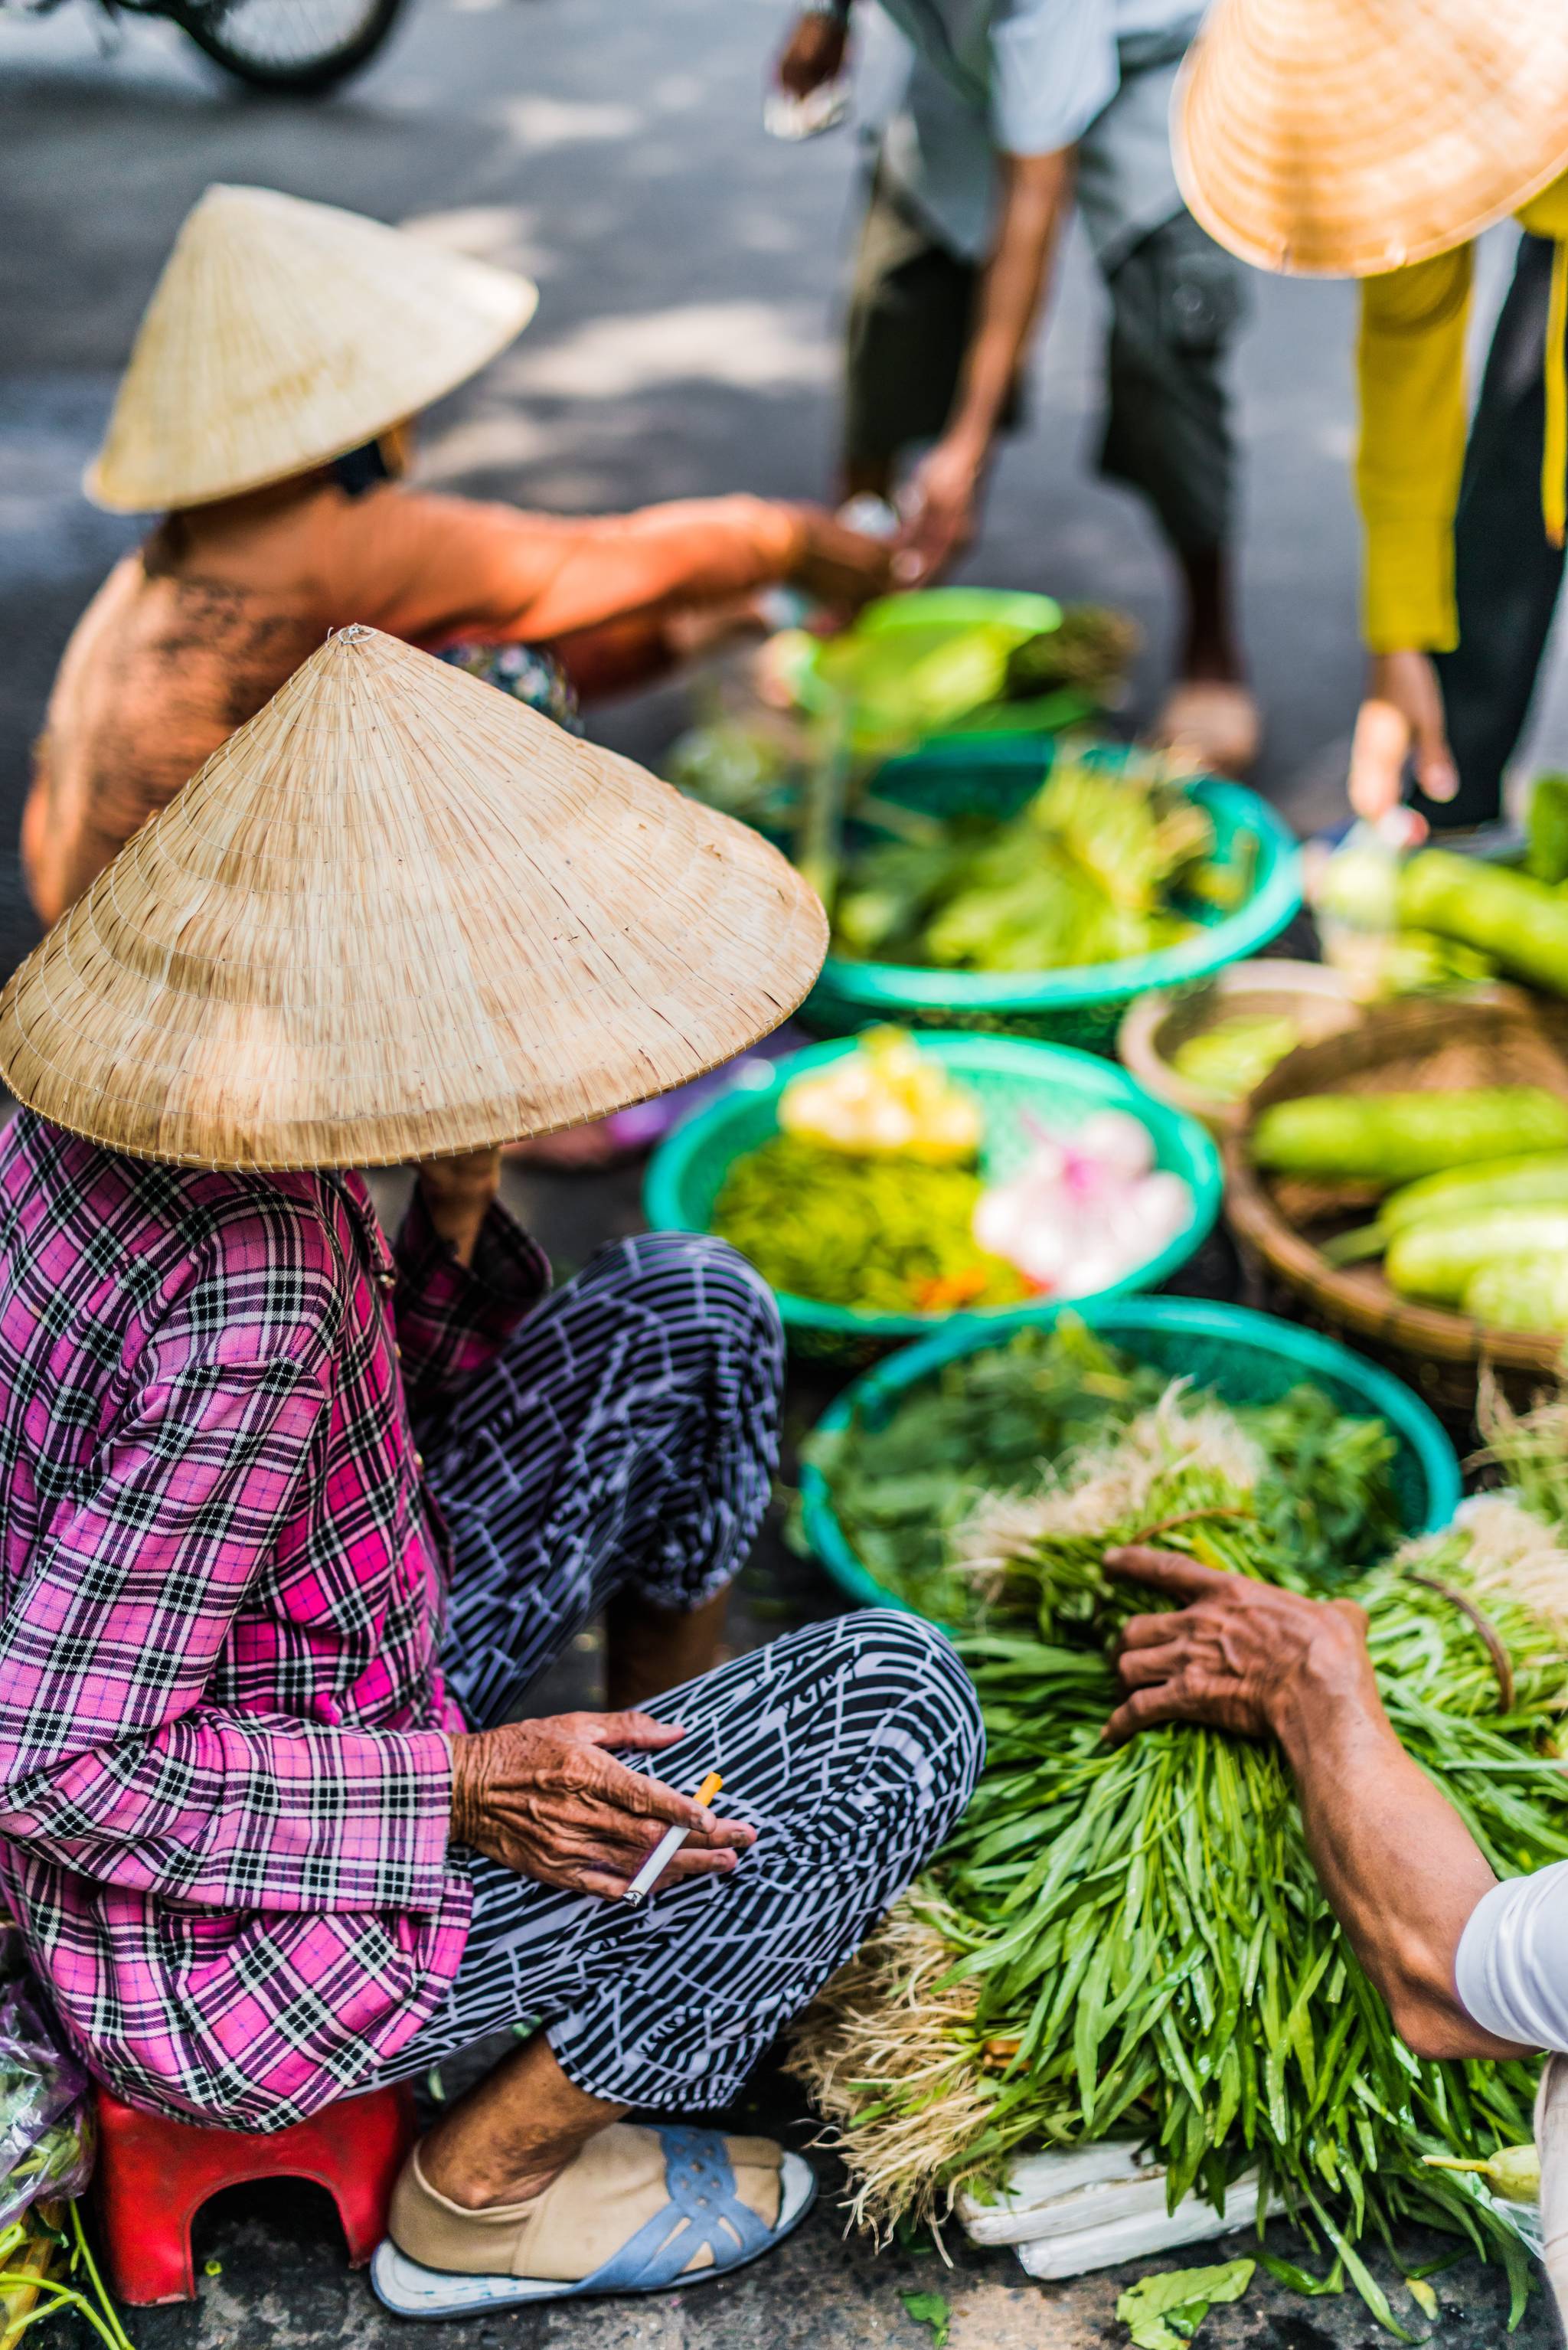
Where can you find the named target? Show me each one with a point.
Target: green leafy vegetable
(1165, 2311)
(929, 2309)
(1133, 1941)
(995, 1421)
(887, 1235)
(1089, 871)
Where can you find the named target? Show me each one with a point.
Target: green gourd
(1391, 1139)
(1440, 1258)
(1521, 921)
(1521, 1293)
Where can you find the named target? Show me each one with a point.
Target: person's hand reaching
(547, 1799)
(842, 568)
(1234, 1654)
(941, 505)
(1400, 718)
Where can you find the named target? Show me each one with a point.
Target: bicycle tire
(304, 76)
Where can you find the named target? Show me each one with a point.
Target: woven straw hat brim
(283, 334)
(400, 915)
(1345, 138)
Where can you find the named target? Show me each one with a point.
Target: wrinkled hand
(942, 499)
(1234, 1654)
(458, 1193)
(1401, 716)
(547, 1799)
(842, 568)
(813, 54)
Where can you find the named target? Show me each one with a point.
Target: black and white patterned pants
(627, 1438)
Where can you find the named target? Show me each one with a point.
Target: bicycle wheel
(288, 44)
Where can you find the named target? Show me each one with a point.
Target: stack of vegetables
(1132, 1942)
(1103, 863)
(1438, 919)
(870, 1196)
(885, 686)
(1475, 1212)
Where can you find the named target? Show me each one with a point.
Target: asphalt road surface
(691, 274)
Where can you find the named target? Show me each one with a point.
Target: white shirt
(1511, 1970)
(970, 78)
(1036, 71)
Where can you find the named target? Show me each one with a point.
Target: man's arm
(1401, 1869)
(1034, 194)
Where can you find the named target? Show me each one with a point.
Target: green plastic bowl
(1082, 1007)
(1245, 1357)
(1010, 1075)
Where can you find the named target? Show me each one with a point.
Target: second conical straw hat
(282, 334)
(399, 915)
(1344, 138)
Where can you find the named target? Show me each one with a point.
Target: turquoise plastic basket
(1010, 1075)
(1082, 1007)
(1246, 1357)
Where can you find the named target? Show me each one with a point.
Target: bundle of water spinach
(1133, 1942)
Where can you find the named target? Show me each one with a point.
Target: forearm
(1035, 194)
(1398, 1864)
(1410, 370)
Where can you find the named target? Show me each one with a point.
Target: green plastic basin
(1083, 1005)
(1009, 1076)
(1239, 1354)
(1245, 1357)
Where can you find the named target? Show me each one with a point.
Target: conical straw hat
(1344, 138)
(399, 915)
(282, 334)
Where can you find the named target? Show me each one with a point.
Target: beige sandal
(1214, 722)
(638, 2210)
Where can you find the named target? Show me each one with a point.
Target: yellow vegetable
(1513, 2171)
(888, 1099)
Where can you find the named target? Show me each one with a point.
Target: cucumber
(1519, 922)
(1537, 1181)
(1439, 1259)
(1391, 1139)
(1521, 1293)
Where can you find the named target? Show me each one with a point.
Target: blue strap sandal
(703, 2210)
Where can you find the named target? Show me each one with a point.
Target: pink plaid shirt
(224, 1774)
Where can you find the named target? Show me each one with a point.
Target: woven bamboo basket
(1281, 1222)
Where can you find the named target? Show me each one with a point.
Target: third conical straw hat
(1349, 137)
(282, 334)
(399, 915)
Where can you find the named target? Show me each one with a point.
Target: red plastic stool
(153, 2176)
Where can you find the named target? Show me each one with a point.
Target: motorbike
(298, 46)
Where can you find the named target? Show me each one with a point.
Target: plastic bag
(45, 2119)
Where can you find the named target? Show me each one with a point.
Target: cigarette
(668, 1844)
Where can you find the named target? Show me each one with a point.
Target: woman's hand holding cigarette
(547, 1799)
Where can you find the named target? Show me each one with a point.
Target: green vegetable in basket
(1090, 647)
(1389, 1138)
(1089, 871)
(884, 1234)
(897, 686)
(1521, 923)
(1235, 1055)
(1538, 1179)
(1133, 1941)
(995, 1421)
(1546, 831)
(1438, 1258)
(1521, 1293)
